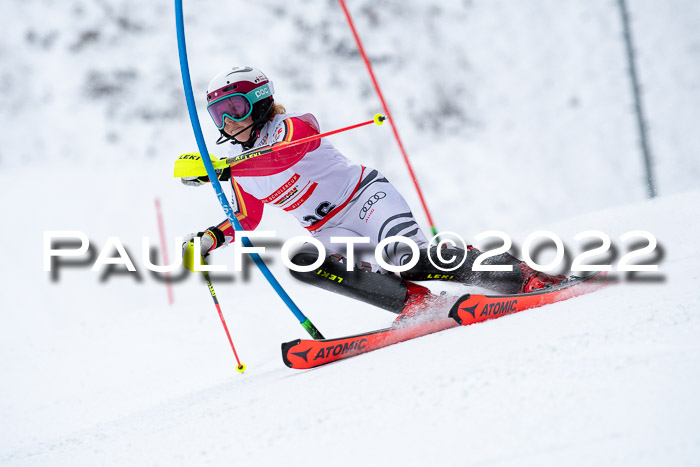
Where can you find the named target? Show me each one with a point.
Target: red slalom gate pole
(240, 367)
(164, 250)
(388, 114)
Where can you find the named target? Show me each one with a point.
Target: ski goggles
(237, 106)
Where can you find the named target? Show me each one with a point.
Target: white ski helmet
(238, 93)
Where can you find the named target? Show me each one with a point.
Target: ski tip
(379, 119)
(240, 367)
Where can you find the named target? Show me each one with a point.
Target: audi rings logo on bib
(374, 199)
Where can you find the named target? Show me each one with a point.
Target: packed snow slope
(107, 374)
(517, 116)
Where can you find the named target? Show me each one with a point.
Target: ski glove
(223, 175)
(210, 239)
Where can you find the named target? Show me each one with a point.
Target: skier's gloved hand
(222, 174)
(194, 181)
(210, 239)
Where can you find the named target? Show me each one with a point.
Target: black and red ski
(308, 353)
(473, 308)
(467, 309)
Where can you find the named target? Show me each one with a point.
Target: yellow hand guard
(191, 165)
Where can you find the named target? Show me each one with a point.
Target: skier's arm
(289, 130)
(247, 209)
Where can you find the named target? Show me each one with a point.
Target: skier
(330, 196)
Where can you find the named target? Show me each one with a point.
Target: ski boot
(534, 281)
(420, 305)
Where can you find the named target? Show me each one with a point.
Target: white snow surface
(518, 116)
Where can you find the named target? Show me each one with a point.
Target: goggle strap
(257, 95)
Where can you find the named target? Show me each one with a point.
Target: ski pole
(240, 367)
(378, 119)
(211, 173)
(188, 166)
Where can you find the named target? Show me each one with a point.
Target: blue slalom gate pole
(211, 173)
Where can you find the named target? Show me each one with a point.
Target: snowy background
(517, 116)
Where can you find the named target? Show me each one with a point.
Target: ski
(306, 353)
(467, 309)
(473, 308)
